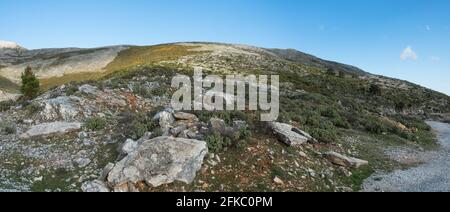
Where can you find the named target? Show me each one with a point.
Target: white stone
(159, 161)
(45, 129)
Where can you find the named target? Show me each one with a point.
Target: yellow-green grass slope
(126, 60)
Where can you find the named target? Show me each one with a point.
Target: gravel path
(432, 176)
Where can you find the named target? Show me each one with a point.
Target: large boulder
(289, 134)
(159, 161)
(345, 161)
(46, 129)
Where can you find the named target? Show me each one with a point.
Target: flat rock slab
(289, 134)
(345, 161)
(45, 129)
(159, 161)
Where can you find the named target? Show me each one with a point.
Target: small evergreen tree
(30, 84)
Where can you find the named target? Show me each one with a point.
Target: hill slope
(83, 128)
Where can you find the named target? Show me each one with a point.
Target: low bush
(135, 125)
(6, 105)
(71, 89)
(217, 143)
(95, 124)
(33, 108)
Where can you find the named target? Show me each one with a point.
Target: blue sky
(370, 34)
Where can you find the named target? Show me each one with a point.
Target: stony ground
(430, 176)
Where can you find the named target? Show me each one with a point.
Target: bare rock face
(159, 161)
(289, 134)
(345, 161)
(53, 128)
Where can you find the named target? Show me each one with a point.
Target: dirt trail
(432, 176)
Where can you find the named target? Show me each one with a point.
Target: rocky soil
(71, 139)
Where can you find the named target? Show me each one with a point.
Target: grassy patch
(146, 55)
(358, 176)
(54, 181)
(126, 60)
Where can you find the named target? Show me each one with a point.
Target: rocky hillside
(103, 122)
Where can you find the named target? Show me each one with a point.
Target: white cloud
(408, 53)
(435, 58)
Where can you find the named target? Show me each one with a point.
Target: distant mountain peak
(10, 45)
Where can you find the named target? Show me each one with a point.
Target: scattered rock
(46, 129)
(38, 179)
(277, 180)
(178, 129)
(345, 161)
(219, 126)
(95, 186)
(165, 119)
(289, 134)
(302, 154)
(89, 89)
(82, 162)
(160, 161)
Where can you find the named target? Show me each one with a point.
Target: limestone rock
(129, 146)
(60, 108)
(219, 126)
(345, 161)
(159, 161)
(45, 129)
(165, 120)
(289, 134)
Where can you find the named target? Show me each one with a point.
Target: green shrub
(374, 126)
(33, 108)
(340, 122)
(217, 143)
(95, 124)
(313, 120)
(329, 112)
(227, 116)
(30, 84)
(135, 125)
(9, 129)
(4, 106)
(72, 89)
(324, 136)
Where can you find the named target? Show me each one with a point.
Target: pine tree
(30, 84)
